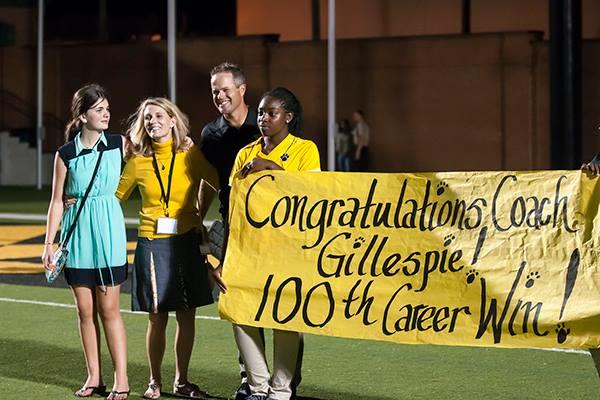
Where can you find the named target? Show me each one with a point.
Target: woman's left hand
(258, 164)
(47, 257)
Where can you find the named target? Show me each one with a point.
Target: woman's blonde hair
(141, 143)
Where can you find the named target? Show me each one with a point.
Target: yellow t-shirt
(189, 168)
(292, 154)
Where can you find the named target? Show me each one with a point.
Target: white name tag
(167, 226)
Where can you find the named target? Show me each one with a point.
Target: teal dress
(97, 247)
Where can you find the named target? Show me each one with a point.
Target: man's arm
(206, 194)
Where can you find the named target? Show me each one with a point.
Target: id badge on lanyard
(165, 225)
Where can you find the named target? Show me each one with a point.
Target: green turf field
(41, 358)
(28, 200)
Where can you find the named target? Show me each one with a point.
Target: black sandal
(188, 390)
(100, 390)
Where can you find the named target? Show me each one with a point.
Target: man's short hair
(238, 75)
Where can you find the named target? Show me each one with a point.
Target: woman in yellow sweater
(169, 273)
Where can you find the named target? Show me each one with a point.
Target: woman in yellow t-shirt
(169, 272)
(279, 113)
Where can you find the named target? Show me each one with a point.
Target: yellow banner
(506, 259)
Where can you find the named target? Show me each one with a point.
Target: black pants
(362, 164)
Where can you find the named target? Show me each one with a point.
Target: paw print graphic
(358, 242)
(531, 278)
(471, 275)
(448, 239)
(561, 333)
(441, 188)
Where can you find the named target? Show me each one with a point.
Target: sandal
(188, 390)
(100, 389)
(115, 395)
(153, 391)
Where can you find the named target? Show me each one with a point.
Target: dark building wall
(434, 103)
(292, 19)
(591, 99)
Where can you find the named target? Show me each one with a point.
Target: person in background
(361, 135)
(96, 264)
(279, 148)
(344, 148)
(169, 272)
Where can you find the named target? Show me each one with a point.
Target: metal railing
(26, 131)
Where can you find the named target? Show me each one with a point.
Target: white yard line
(576, 351)
(62, 305)
(42, 218)
(50, 304)
(24, 217)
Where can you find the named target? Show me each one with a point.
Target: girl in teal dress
(97, 260)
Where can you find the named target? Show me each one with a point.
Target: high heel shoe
(100, 389)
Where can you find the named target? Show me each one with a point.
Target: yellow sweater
(189, 168)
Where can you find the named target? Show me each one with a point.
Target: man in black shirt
(220, 141)
(236, 127)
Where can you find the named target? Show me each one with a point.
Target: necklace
(162, 165)
(86, 146)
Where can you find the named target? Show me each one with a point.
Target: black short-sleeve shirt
(220, 143)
